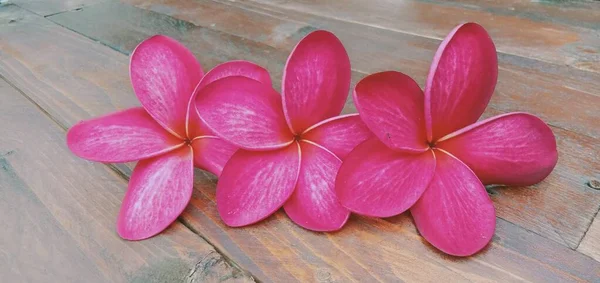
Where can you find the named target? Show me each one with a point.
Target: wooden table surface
(66, 60)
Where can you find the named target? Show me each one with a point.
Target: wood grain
(89, 78)
(547, 40)
(566, 203)
(590, 245)
(58, 214)
(524, 84)
(51, 7)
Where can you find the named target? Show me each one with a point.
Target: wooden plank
(590, 245)
(525, 85)
(51, 7)
(58, 214)
(547, 40)
(276, 249)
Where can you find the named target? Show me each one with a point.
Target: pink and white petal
(461, 80)
(122, 136)
(159, 190)
(316, 80)
(391, 105)
(244, 112)
(375, 180)
(212, 153)
(164, 74)
(255, 184)
(455, 214)
(227, 69)
(340, 134)
(314, 204)
(516, 149)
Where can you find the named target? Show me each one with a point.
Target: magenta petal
(227, 69)
(515, 149)
(391, 104)
(122, 136)
(316, 80)
(245, 113)
(375, 180)
(159, 189)
(164, 74)
(340, 134)
(212, 153)
(314, 204)
(461, 80)
(237, 68)
(455, 214)
(254, 184)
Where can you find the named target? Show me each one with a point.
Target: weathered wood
(50, 7)
(566, 203)
(89, 78)
(544, 40)
(524, 84)
(58, 214)
(590, 244)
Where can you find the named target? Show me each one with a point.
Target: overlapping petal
(212, 153)
(513, 149)
(461, 80)
(391, 104)
(228, 69)
(254, 184)
(123, 136)
(314, 204)
(455, 214)
(164, 74)
(159, 189)
(316, 80)
(375, 180)
(340, 134)
(245, 113)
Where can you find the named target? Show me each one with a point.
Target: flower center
(431, 144)
(187, 141)
(297, 137)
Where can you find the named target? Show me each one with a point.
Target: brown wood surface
(513, 33)
(567, 204)
(590, 245)
(72, 77)
(58, 214)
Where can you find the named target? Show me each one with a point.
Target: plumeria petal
(212, 153)
(316, 80)
(391, 104)
(122, 136)
(164, 74)
(245, 113)
(461, 80)
(455, 214)
(254, 184)
(340, 134)
(515, 149)
(227, 69)
(314, 204)
(375, 180)
(159, 189)
(237, 68)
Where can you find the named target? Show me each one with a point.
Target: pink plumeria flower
(430, 154)
(162, 135)
(292, 145)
